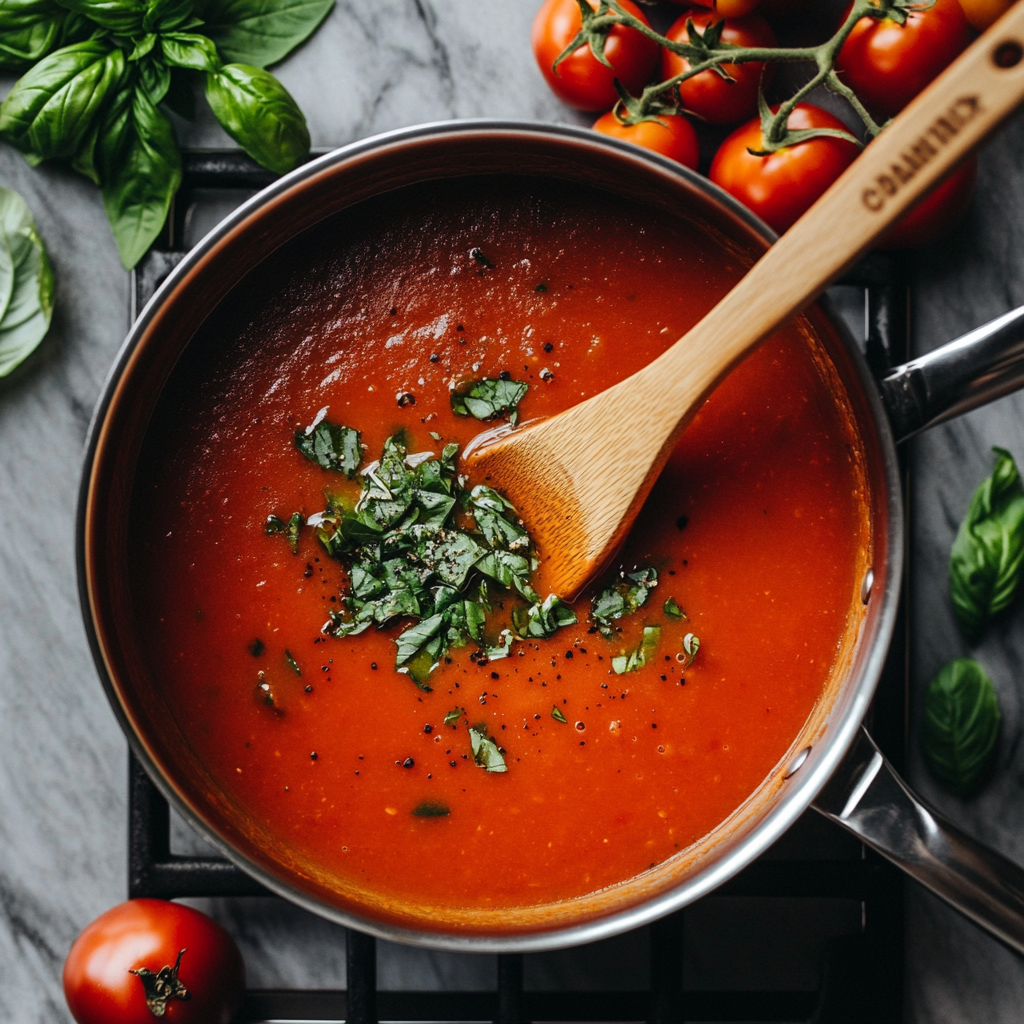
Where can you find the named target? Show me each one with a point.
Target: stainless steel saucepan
(832, 766)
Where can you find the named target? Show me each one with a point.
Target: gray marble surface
(372, 67)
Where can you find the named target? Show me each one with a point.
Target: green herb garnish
(961, 726)
(291, 529)
(672, 610)
(635, 660)
(623, 597)
(431, 809)
(557, 715)
(986, 558)
(331, 447)
(292, 663)
(26, 280)
(257, 647)
(486, 753)
(691, 645)
(453, 717)
(486, 399)
(543, 618)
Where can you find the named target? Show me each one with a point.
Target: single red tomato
(938, 213)
(726, 8)
(888, 64)
(779, 187)
(708, 95)
(671, 135)
(581, 80)
(182, 961)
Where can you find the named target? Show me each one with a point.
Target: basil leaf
(143, 46)
(331, 447)
(635, 660)
(29, 29)
(431, 809)
(961, 726)
(167, 15)
(123, 17)
(691, 645)
(623, 597)
(51, 109)
(290, 661)
(188, 50)
(452, 717)
(261, 32)
(140, 171)
(485, 399)
(155, 78)
(26, 283)
(556, 714)
(256, 110)
(415, 637)
(985, 561)
(543, 619)
(485, 751)
(672, 609)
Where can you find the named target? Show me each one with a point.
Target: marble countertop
(373, 67)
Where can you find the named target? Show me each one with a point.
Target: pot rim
(804, 780)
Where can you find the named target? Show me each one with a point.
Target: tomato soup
(757, 531)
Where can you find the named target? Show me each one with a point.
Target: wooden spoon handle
(925, 141)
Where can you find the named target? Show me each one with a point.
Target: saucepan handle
(977, 368)
(867, 797)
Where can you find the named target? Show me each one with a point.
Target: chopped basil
(486, 752)
(543, 618)
(486, 399)
(623, 597)
(435, 435)
(557, 715)
(691, 645)
(636, 660)
(988, 553)
(503, 648)
(672, 610)
(961, 726)
(431, 809)
(292, 663)
(331, 447)
(291, 529)
(274, 525)
(256, 648)
(453, 716)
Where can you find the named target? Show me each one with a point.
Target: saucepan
(832, 765)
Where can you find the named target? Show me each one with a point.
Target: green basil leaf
(29, 29)
(331, 446)
(623, 597)
(27, 283)
(672, 609)
(256, 110)
(961, 726)
(140, 170)
(187, 50)
(51, 110)
(485, 751)
(123, 17)
(544, 618)
(635, 660)
(556, 714)
(155, 78)
(143, 46)
(986, 558)
(261, 32)
(452, 717)
(431, 809)
(167, 15)
(486, 399)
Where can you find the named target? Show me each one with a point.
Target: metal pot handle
(867, 797)
(979, 367)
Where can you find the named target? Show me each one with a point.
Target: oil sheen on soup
(622, 746)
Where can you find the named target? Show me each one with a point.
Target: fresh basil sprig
(487, 399)
(98, 71)
(987, 555)
(26, 283)
(961, 726)
(623, 597)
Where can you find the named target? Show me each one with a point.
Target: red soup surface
(757, 531)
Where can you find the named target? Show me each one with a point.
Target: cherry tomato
(781, 186)
(708, 95)
(581, 80)
(153, 949)
(726, 8)
(671, 135)
(938, 213)
(888, 64)
(982, 13)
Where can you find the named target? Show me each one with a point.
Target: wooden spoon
(579, 478)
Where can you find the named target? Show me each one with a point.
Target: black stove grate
(861, 977)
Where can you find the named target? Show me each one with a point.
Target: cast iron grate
(861, 975)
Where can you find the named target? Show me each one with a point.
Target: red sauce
(755, 528)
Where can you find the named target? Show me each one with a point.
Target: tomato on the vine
(938, 213)
(888, 64)
(708, 95)
(726, 8)
(581, 80)
(146, 959)
(779, 187)
(672, 135)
